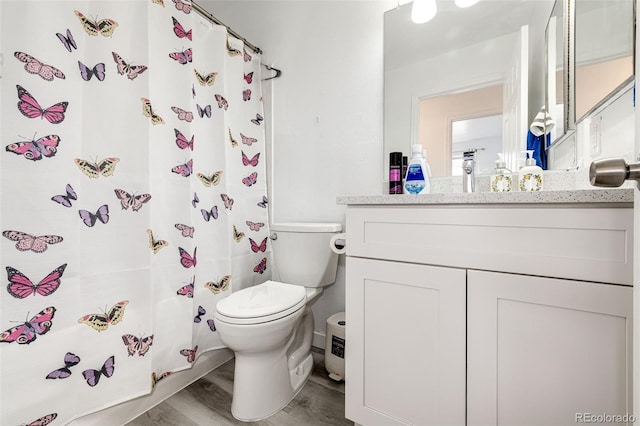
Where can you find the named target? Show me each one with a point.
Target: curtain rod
(202, 11)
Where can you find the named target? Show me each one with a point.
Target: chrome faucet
(468, 171)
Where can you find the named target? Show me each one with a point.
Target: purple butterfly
(65, 200)
(251, 179)
(184, 169)
(246, 95)
(27, 332)
(86, 73)
(261, 267)
(93, 376)
(62, 373)
(257, 120)
(264, 202)
(201, 312)
(67, 40)
(207, 215)
(182, 57)
(34, 150)
(204, 111)
(195, 200)
(212, 325)
(90, 219)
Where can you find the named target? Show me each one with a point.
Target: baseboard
(319, 339)
(123, 413)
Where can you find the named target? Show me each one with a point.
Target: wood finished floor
(208, 402)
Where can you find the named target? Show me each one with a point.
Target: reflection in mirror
(441, 115)
(482, 135)
(483, 47)
(556, 78)
(603, 50)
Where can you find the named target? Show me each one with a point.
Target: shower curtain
(133, 191)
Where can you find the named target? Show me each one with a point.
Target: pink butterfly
(182, 114)
(264, 202)
(182, 57)
(86, 73)
(261, 267)
(70, 360)
(20, 286)
(201, 312)
(222, 102)
(29, 331)
(29, 107)
(65, 200)
(257, 120)
(134, 201)
(228, 201)
(31, 242)
(182, 141)
(251, 179)
(34, 150)
(253, 162)
(182, 6)
(258, 248)
(254, 226)
(186, 259)
(184, 169)
(246, 56)
(246, 95)
(67, 40)
(207, 215)
(44, 420)
(190, 353)
(34, 66)
(187, 290)
(248, 77)
(132, 71)
(134, 344)
(93, 376)
(187, 231)
(247, 140)
(90, 219)
(211, 324)
(204, 111)
(179, 29)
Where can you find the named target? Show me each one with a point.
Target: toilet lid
(266, 299)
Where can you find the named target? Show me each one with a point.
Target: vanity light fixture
(423, 11)
(466, 3)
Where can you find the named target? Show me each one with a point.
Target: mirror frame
(568, 74)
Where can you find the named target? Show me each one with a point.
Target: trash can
(334, 346)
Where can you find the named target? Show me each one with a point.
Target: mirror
(604, 51)
(461, 51)
(597, 64)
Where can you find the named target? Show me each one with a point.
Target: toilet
(270, 326)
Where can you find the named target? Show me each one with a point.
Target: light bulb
(466, 3)
(423, 11)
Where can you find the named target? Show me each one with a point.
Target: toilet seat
(262, 303)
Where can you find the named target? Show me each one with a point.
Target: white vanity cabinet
(488, 314)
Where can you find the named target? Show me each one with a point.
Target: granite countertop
(621, 197)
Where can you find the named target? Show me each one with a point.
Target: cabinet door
(405, 343)
(544, 351)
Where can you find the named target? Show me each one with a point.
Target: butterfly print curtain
(133, 191)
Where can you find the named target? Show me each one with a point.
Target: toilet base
(268, 394)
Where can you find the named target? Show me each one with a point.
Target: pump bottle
(530, 176)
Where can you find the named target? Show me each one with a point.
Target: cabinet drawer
(591, 244)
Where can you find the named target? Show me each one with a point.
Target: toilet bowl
(270, 326)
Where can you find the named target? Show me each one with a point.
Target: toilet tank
(302, 254)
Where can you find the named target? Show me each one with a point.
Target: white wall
(327, 106)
